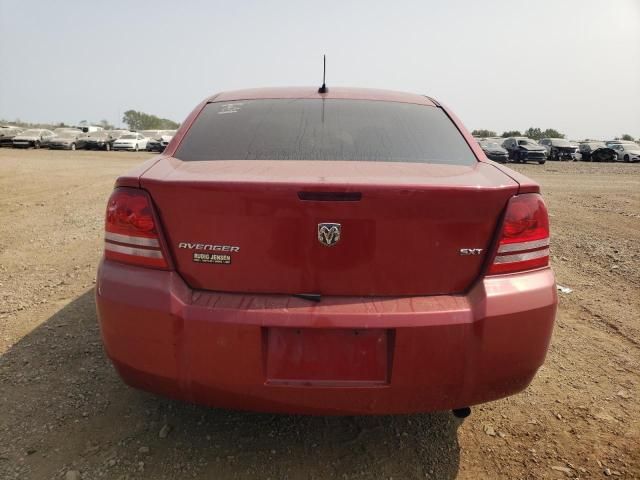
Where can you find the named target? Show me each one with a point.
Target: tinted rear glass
(313, 129)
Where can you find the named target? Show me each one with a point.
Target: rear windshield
(314, 129)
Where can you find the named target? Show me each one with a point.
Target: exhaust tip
(463, 412)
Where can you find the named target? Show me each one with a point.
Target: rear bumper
(217, 349)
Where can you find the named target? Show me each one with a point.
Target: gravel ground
(65, 414)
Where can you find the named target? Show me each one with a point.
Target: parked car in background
(61, 130)
(65, 140)
(559, 149)
(160, 142)
(98, 140)
(33, 137)
(131, 141)
(347, 252)
(494, 151)
(596, 152)
(524, 149)
(608, 143)
(154, 145)
(7, 135)
(115, 135)
(627, 152)
(102, 140)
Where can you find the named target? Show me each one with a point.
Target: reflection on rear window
(314, 129)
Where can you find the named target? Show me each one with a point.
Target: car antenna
(323, 88)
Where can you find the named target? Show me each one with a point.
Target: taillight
(131, 231)
(524, 240)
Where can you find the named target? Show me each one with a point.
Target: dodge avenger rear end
(345, 252)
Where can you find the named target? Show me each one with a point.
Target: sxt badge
(470, 251)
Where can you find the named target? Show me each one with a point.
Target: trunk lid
(252, 226)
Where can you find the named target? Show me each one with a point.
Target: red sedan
(345, 252)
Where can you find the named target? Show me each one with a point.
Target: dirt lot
(63, 409)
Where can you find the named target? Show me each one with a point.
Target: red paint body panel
(132, 177)
(405, 324)
(526, 184)
(444, 351)
(401, 238)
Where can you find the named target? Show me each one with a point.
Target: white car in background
(627, 152)
(131, 141)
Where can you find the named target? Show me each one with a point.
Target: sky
(572, 65)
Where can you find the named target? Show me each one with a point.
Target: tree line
(133, 119)
(531, 132)
(145, 121)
